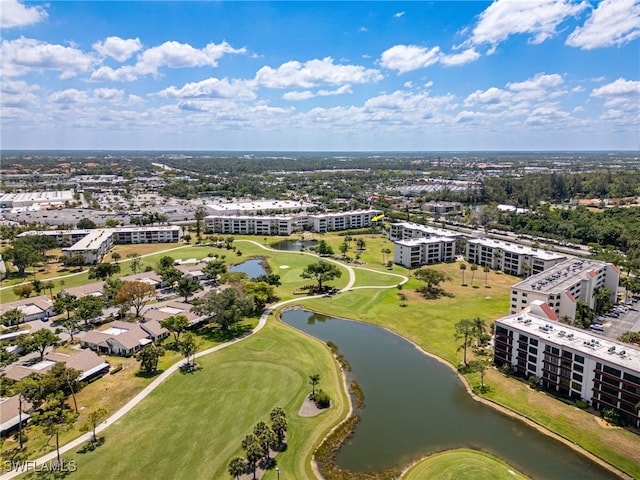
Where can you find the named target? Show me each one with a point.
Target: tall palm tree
(486, 269)
(479, 329)
(474, 268)
(314, 380)
(463, 267)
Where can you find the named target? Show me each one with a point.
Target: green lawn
(192, 425)
(271, 368)
(462, 465)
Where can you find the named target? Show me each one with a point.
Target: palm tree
(486, 269)
(237, 467)
(463, 267)
(479, 329)
(526, 268)
(464, 330)
(115, 256)
(314, 380)
(474, 268)
(498, 256)
(49, 285)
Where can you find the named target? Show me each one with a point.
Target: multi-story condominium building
(287, 224)
(566, 283)
(574, 362)
(424, 251)
(93, 244)
(264, 207)
(330, 222)
(409, 231)
(511, 258)
(253, 224)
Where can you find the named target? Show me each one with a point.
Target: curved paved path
(169, 371)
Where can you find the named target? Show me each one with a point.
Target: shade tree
(135, 294)
(226, 308)
(176, 324)
(321, 272)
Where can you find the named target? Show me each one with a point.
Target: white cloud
(179, 55)
(18, 94)
(398, 14)
(314, 73)
(24, 55)
(118, 48)
(539, 18)
(170, 54)
(613, 22)
(468, 56)
(490, 97)
(540, 81)
(212, 88)
(306, 94)
(108, 74)
(620, 93)
(405, 58)
(108, 94)
(15, 14)
(69, 96)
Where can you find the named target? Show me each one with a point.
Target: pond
(253, 268)
(415, 406)
(294, 245)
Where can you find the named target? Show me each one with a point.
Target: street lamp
(278, 472)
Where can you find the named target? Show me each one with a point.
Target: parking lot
(628, 321)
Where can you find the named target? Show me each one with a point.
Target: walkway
(169, 371)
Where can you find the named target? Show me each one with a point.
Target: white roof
(592, 345)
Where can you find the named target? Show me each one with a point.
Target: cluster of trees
(528, 190)
(259, 444)
(29, 251)
(37, 341)
(49, 393)
(149, 218)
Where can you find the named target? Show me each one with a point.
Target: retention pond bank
(415, 406)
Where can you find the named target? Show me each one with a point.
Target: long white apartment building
(255, 207)
(566, 283)
(511, 258)
(582, 365)
(287, 224)
(424, 251)
(253, 224)
(331, 222)
(410, 231)
(94, 243)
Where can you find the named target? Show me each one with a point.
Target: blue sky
(334, 76)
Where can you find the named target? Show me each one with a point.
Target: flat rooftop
(422, 241)
(593, 345)
(519, 249)
(431, 231)
(561, 276)
(258, 205)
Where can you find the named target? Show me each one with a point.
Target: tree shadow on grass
(215, 333)
(143, 374)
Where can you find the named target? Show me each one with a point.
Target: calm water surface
(415, 405)
(294, 245)
(252, 268)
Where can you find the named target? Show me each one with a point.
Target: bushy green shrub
(322, 399)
